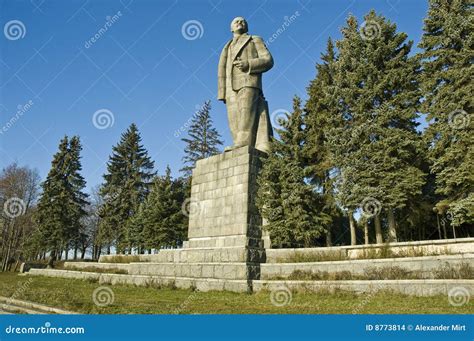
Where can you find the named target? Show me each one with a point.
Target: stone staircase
(14, 306)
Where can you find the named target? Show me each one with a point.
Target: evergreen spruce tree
(286, 199)
(61, 206)
(319, 120)
(51, 216)
(203, 140)
(377, 146)
(161, 217)
(446, 80)
(127, 181)
(78, 197)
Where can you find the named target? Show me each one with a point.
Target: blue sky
(144, 69)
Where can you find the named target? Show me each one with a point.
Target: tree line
(351, 165)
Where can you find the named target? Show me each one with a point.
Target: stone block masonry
(225, 228)
(223, 197)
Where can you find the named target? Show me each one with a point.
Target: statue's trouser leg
(247, 102)
(264, 131)
(232, 113)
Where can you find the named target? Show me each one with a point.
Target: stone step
(185, 255)
(281, 288)
(457, 288)
(91, 276)
(26, 307)
(425, 265)
(424, 247)
(200, 284)
(14, 309)
(102, 266)
(209, 255)
(220, 227)
(223, 241)
(198, 270)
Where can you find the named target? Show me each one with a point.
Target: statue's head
(239, 25)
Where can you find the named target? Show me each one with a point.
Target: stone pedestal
(225, 229)
(223, 216)
(223, 192)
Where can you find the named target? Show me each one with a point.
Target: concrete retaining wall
(204, 255)
(65, 274)
(449, 246)
(410, 287)
(104, 266)
(197, 270)
(423, 265)
(427, 247)
(131, 258)
(417, 287)
(201, 284)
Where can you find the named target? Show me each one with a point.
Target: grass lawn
(76, 295)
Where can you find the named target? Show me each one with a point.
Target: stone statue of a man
(242, 62)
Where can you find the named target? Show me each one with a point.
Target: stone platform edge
(413, 287)
(200, 284)
(416, 287)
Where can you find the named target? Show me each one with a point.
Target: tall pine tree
(377, 146)
(79, 198)
(203, 139)
(318, 121)
(447, 73)
(161, 218)
(287, 201)
(127, 181)
(61, 206)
